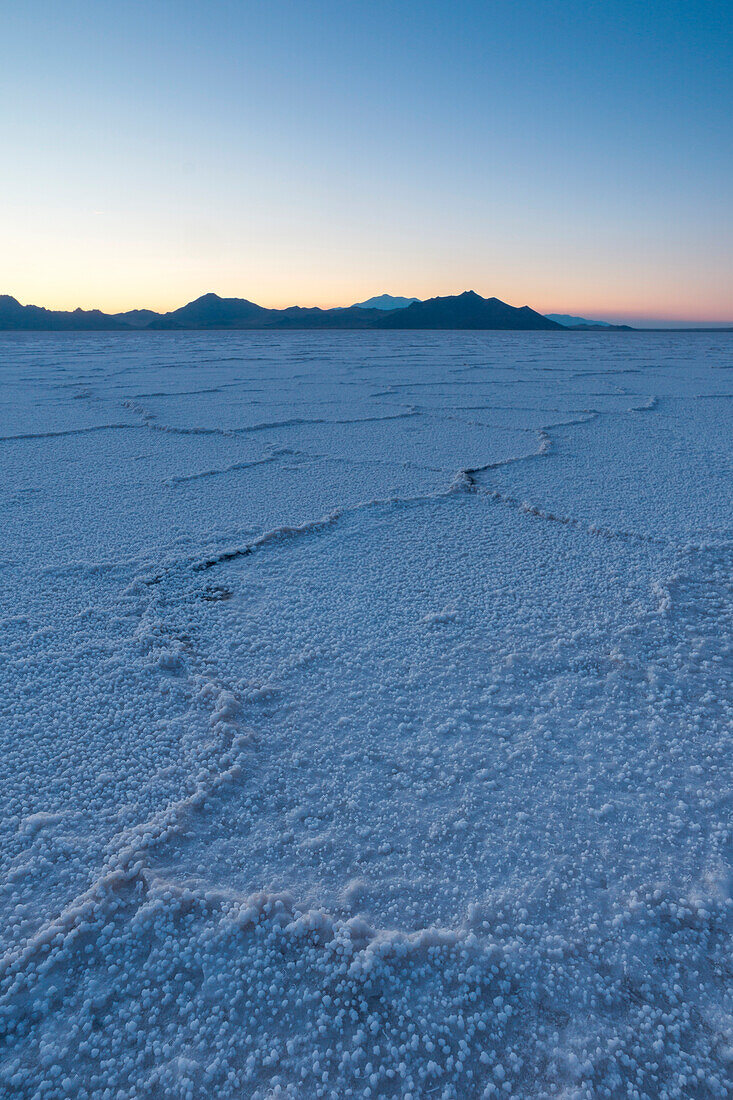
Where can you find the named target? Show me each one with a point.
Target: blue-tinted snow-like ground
(365, 715)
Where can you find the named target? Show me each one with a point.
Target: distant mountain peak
(212, 299)
(385, 302)
(467, 310)
(568, 320)
(212, 311)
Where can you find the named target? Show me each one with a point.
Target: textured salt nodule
(434, 800)
(33, 824)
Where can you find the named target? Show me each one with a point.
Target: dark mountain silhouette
(137, 318)
(17, 318)
(302, 317)
(459, 311)
(385, 301)
(568, 321)
(211, 311)
(467, 310)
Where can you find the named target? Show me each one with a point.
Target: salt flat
(365, 715)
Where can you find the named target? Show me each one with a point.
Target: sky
(573, 156)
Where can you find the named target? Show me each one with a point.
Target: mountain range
(458, 311)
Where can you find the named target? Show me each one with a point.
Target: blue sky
(577, 157)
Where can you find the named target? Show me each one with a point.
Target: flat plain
(365, 715)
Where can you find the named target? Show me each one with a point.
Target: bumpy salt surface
(366, 721)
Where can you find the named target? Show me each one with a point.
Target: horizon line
(632, 317)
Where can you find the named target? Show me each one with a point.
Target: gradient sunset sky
(574, 156)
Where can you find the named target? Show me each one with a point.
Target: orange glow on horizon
(595, 307)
